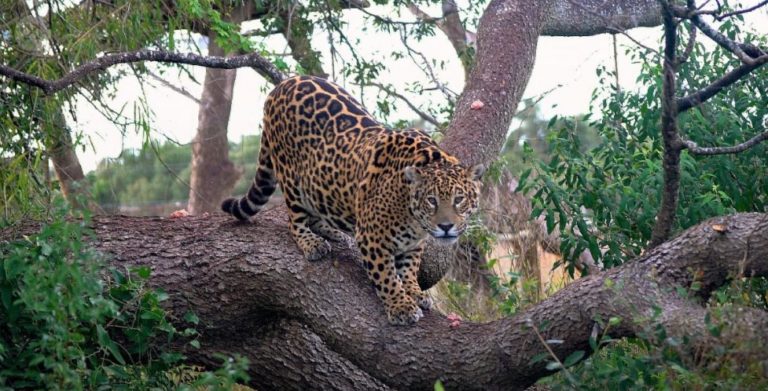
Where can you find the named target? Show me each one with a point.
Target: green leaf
(161, 295)
(573, 358)
(439, 386)
(108, 343)
(191, 317)
(550, 219)
(143, 272)
(523, 178)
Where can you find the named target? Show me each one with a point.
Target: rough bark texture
(590, 17)
(213, 174)
(506, 47)
(320, 325)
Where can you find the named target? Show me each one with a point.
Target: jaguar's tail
(262, 187)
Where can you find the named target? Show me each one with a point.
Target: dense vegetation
(605, 199)
(69, 323)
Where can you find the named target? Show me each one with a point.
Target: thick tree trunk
(320, 325)
(213, 174)
(506, 48)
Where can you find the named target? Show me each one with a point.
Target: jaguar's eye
(458, 200)
(432, 201)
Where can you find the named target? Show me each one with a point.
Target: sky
(564, 69)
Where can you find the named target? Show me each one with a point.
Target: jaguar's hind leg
(322, 228)
(311, 244)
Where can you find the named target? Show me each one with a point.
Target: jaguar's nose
(445, 227)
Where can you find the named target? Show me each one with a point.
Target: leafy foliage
(64, 328)
(604, 200)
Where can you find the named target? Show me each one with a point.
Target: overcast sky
(564, 65)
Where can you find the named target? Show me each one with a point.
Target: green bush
(67, 322)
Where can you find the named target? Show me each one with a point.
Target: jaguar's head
(443, 196)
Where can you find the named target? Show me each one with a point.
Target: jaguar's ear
(475, 172)
(412, 174)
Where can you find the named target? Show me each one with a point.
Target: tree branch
(702, 95)
(694, 149)
(592, 17)
(254, 60)
(506, 47)
(665, 217)
(179, 90)
(741, 11)
(748, 54)
(321, 325)
(450, 24)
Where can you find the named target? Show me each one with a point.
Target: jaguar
(342, 172)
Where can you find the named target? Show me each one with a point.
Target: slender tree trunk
(69, 173)
(665, 217)
(213, 174)
(297, 31)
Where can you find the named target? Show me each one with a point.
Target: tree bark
(506, 48)
(213, 174)
(297, 31)
(61, 150)
(572, 18)
(320, 325)
(665, 217)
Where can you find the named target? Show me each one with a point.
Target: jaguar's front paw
(315, 249)
(404, 312)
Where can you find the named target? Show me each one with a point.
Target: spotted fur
(341, 170)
